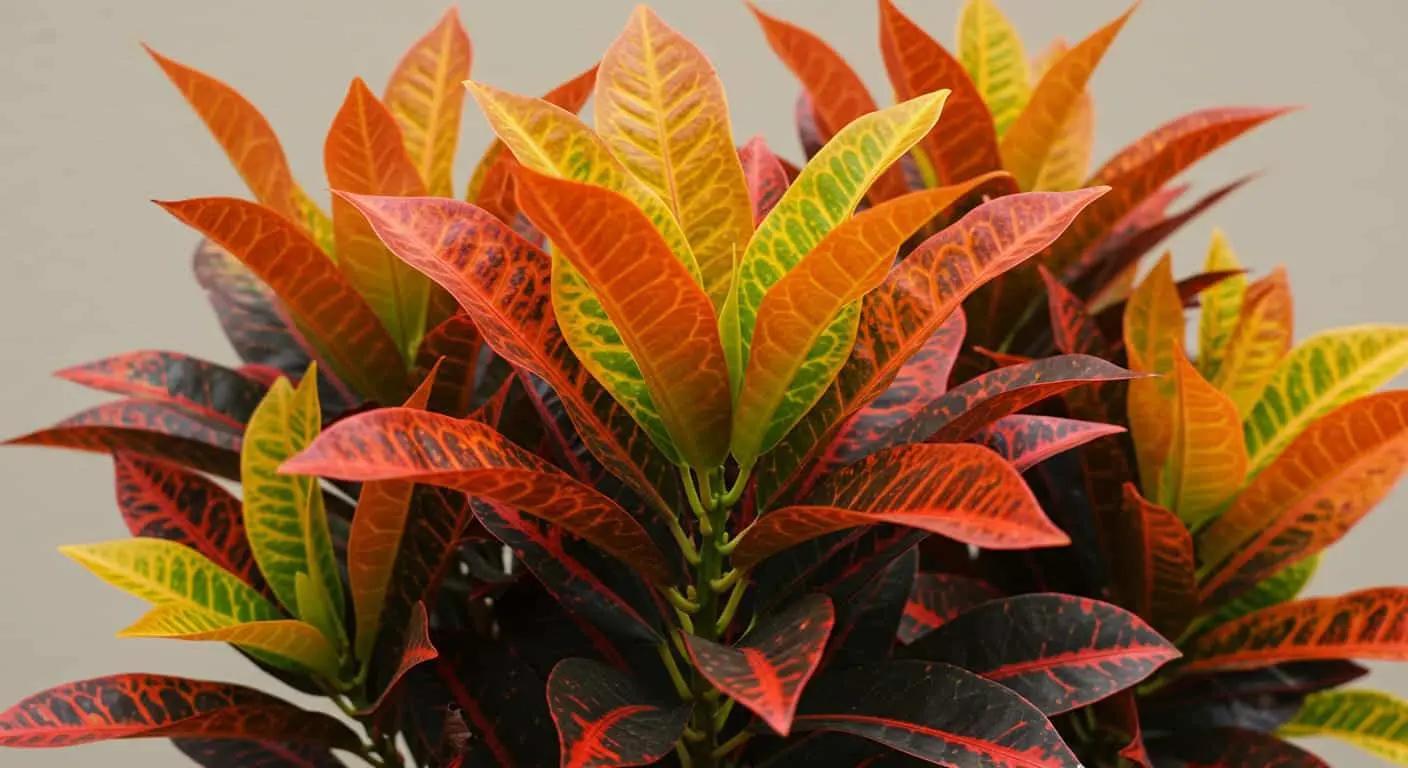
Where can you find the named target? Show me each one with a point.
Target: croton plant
(650, 448)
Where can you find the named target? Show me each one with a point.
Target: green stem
(736, 492)
(709, 570)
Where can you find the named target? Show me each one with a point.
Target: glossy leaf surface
(1026, 440)
(604, 720)
(426, 97)
(938, 598)
(1067, 163)
(1153, 340)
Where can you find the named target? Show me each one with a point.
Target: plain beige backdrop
(90, 131)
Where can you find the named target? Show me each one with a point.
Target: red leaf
(1370, 624)
(938, 598)
(767, 179)
(1074, 331)
(909, 706)
(605, 721)
(208, 390)
(1122, 711)
(455, 345)
(1059, 652)
(1026, 440)
(808, 131)
(145, 428)
(965, 492)
(768, 672)
(416, 650)
(162, 501)
(157, 706)
(1153, 562)
(1236, 748)
(428, 448)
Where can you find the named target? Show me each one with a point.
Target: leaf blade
(604, 720)
(425, 96)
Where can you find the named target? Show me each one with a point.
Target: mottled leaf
(1026, 440)
(1067, 162)
(1152, 554)
(604, 720)
(1207, 460)
(1153, 341)
(425, 96)
(288, 644)
(1221, 307)
(235, 753)
(1262, 338)
(1376, 722)
(454, 346)
(208, 390)
(992, 53)
(766, 177)
(1073, 330)
(416, 649)
(938, 598)
(867, 622)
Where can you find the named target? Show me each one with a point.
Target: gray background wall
(90, 131)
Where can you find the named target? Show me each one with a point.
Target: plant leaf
(1059, 652)
(159, 706)
(1152, 556)
(1025, 440)
(364, 154)
(867, 622)
(1067, 162)
(343, 327)
(426, 98)
(1321, 373)
(416, 649)
(965, 145)
(1369, 624)
(1028, 142)
(908, 706)
(938, 598)
(454, 346)
(923, 291)
(1376, 722)
(289, 644)
(502, 281)
(660, 108)
(1153, 341)
(207, 390)
(1073, 330)
(469, 457)
(1262, 338)
(1239, 748)
(235, 753)
(1208, 453)
(769, 671)
(162, 501)
(1221, 307)
(667, 330)
(604, 720)
(1322, 485)
(1282, 586)
(992, 53)
(965, 492)
(766, 178)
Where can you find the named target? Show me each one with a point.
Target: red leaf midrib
(1080, 659)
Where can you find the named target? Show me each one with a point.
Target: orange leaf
(1153, 337)
(1029, 140)
(425, 96)
(1207, 460)
(1262, 337)
(1153, 557)
(663, 316)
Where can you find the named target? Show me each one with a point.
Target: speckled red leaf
(766, 177)
(938, 598)
(231, 753)
(502, 281)
(433, 449)
(1026, 440)
(1152, 554)
(964, 145)
(146, 706)
(1369, 624)
(163, 501)
(455, 344)
(901, 316)
(323, 303)
(208, 390)
(1237, 748)
(1073, 330)
(909, 707)
(146, 428)
(965, 492)
(838, 96)
(416, 649)
(867, 622)
(1059, 652)
(768, 672)
(604, 719)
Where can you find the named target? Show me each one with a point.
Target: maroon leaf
(1025, 440)
(158, 706)
(768, 673)
(231, 753)
(604, 720)
(1073, 330)
(1152, 555)
(208, 390)
(867, 622)
(934, 712)
(500, 697)
(150, 429)
(938, 598)
(1122, 712)
(1236, 748)
(767, 179)
(455, 343)
(263, 374)
(1059, 652)
(809, 131)
(162, 501)
(416, 649)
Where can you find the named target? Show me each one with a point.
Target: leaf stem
(668, 656)
(735, 598)
(735, 492)
(706, 527)
(738, 740)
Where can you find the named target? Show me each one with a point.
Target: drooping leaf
(965, 492)
(837, 98)
(867, 623)
(908, 706)
(1029, 141)
(1207, 460)
(1326, 480)
(964, 145)
(1369, 624)
(767, 179)
(992, 53)
(821, 198)
(768, 672)
(1026, 440)
(1240, 748)
(145, 428)
(921, 290)
(235, 753)
(425, 96)
(1059, 652)
(322, 301)
(1376, 722)
(205, 389)
(1153, 341)
(938, 598)
(1153, 561)
(438, 450)
(159, 706)
(604, 720)
(1262, 338)
(162, 501)
(680, 388)
(288, 644)
(660, 107)
(1321, 373)
(364, 154)
(1067, 162)
(1221, 307)
(795, 350)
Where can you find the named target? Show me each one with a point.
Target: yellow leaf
(1221, 306)
(1067, 163)
(1262, 338)
(1207, 454)
(286, 643)
(1153, 337)
(425, 95)
(992, 52)
(1373, 721)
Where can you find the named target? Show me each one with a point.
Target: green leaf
(1282, 587)
(1374, 721)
